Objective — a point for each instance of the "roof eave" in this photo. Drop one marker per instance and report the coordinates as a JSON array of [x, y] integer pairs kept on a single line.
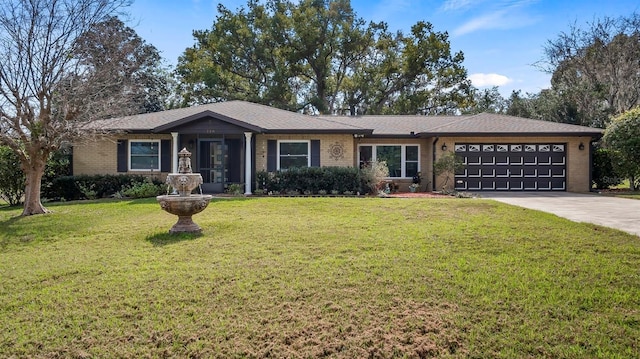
[[594, 134]]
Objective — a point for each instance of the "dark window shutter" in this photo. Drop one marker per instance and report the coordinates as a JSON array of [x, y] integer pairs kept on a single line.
[[272, 155], [165, 156], [315, 153], [123, 161]]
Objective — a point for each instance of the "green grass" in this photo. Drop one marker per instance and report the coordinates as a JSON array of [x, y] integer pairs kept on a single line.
[[632, 195], [622, 190], [314, 277]]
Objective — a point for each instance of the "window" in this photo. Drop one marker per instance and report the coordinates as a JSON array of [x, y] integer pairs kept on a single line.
[[402, 160], [293, 154], [144, 155]]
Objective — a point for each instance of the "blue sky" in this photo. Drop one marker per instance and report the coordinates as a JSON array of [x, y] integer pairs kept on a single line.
[[501, 39]]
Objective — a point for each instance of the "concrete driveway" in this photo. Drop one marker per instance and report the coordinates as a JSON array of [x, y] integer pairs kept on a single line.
[[618, 213]]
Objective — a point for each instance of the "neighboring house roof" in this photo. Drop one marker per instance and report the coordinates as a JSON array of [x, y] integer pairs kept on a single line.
[[483, 124], [265, 119]]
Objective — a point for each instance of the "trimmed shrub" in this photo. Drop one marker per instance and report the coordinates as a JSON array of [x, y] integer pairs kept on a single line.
[[143, 190], [98, 186], [313, 180]]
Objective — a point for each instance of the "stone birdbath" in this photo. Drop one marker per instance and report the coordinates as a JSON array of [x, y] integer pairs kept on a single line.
[[184, 204]]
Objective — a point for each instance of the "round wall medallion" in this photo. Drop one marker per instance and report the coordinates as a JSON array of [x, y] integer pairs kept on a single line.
[[336, 151]]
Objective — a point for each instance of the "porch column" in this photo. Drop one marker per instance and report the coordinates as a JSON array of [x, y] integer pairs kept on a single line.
[[174, 160], [247, 163]]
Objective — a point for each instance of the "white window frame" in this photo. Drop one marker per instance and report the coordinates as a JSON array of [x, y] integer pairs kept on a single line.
[[157, 142], [403, 156], [308, 142]]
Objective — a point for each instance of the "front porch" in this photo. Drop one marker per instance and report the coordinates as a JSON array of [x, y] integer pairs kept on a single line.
[[221, 159]]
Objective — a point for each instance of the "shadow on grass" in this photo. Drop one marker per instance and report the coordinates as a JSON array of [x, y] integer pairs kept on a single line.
[[165, 238]]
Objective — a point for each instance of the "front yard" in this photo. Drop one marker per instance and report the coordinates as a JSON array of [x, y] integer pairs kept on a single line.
[[314, 277]]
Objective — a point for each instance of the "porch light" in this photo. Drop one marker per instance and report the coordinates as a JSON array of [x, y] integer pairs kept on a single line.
[[581, 146], [444, 147]]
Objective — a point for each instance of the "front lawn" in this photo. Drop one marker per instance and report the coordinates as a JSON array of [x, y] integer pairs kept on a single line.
[[314, 277]]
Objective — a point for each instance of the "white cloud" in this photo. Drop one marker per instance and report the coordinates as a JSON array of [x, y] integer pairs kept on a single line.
[[453, 5], [489, 80], [502, 15], [488, 21]]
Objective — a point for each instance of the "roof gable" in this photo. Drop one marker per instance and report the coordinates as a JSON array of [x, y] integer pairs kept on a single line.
[[254, 117]]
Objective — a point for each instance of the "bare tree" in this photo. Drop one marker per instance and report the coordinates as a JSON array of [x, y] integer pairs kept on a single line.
[[596, 68], [48, 92]]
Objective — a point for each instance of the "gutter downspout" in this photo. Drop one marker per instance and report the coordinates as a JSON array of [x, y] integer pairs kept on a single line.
[[433, 165]]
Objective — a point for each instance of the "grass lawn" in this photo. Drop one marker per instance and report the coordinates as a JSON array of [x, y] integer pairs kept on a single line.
[[316, 277], [632, 195], [622, 190]]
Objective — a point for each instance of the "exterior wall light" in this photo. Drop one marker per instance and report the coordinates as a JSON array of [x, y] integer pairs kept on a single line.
[[444, 147], [581, 146]]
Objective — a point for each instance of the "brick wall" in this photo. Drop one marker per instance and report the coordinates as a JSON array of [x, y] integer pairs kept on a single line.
[[327, 142], [99, 157]]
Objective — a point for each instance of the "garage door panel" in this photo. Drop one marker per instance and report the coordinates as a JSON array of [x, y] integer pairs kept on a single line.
[[502, 184], [511, 167], [502, 159]]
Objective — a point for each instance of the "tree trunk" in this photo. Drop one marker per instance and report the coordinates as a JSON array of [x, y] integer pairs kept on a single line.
[[632, 182], [32, 202]]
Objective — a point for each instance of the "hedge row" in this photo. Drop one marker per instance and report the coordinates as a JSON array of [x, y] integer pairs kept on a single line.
[[313, 180], [96, 186]]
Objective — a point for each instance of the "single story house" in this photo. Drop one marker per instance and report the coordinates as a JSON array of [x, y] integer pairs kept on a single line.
[[231, 141]]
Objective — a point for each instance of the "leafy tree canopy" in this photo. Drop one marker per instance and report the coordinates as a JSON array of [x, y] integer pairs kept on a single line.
[[317, 56], [487, 100], [623, 137]]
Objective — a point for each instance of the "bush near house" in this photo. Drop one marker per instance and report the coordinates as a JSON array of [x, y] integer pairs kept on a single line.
[[313, 180], [604, 172], [71, 188]]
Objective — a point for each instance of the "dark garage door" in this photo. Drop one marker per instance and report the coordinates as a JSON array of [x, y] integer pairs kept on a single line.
[[511, 167]]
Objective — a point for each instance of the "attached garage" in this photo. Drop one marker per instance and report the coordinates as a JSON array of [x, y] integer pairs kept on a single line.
[[512, 167]]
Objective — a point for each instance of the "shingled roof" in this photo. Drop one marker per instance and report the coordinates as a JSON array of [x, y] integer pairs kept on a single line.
[[265, 119], [254, 117], [478, 125]]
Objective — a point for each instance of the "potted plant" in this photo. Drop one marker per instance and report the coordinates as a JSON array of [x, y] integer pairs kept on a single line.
[[417, 179]]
